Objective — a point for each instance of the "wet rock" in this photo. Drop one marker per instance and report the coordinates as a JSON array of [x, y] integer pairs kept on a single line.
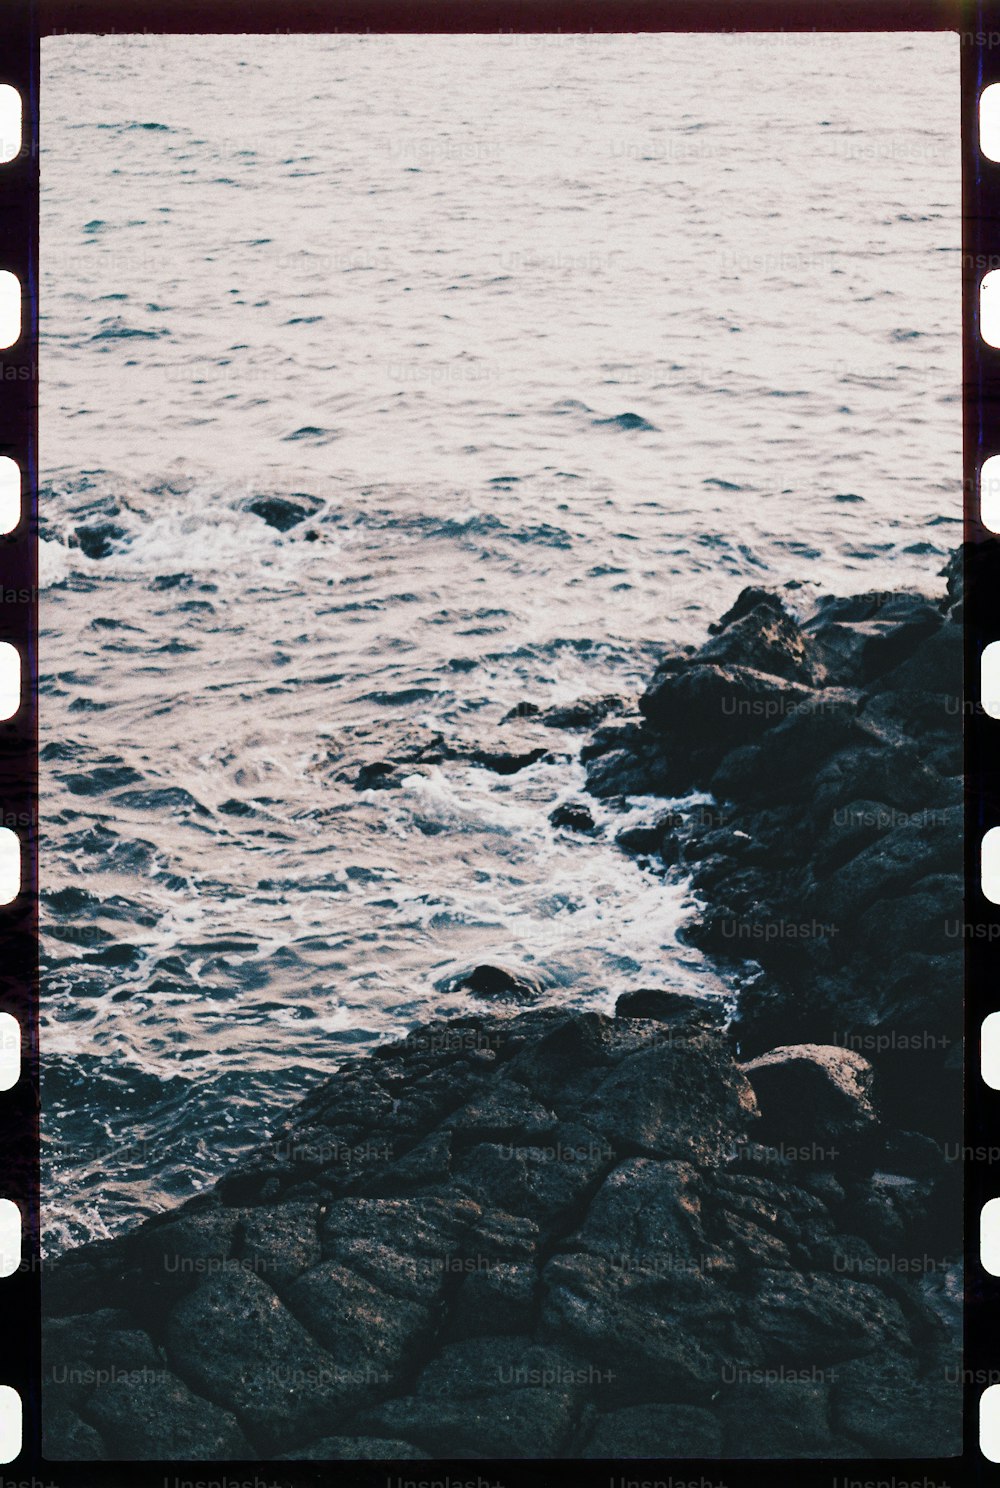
[[665, 1006], [555, 1239], [628, 734], [764, 637], [637, 1105], [97, 539], [812, 1093], [777, 1207], [495, 1297], [284, 512], [676, 1097], [852, 828], [714, 708], [152, 1267], [366, 1330], [753, 598], [798, 743], [657, 836], [574, 816], [619, 772], [504, 1111], [954, 572], [418, 1248], [895, 775], [896, 861], [934, 669], [377, 775], [889, 1210], [498, 982], [621, 1317], [867, 649], [586, 713], [101, 1346], [652, 1208], [914, 1154], [508, 762], [429, 1162], [279, 1243]]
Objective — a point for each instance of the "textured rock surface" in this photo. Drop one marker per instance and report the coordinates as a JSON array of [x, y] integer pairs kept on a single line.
[[527, 1234], [832, 857]]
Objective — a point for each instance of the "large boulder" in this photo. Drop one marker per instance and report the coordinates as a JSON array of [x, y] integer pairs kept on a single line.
[[497, 982], [812, 1093], [765, 638], [708, 709], [865, 635], [284, 512]]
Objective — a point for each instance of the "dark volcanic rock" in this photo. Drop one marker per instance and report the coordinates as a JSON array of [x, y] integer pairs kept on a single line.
[[380, 772], [812, 1093], [65, 1437], [490, 1397], [714, 707], [833, 856], [240, 1346], [575, 1265], [284, 512], [498, 982], [772, 1415], [98, 538], [574, 816], [658, 836], [586, 713], [506, 761], [667, 1007], [663, 1431], [155, 1406], [765, 638], [885, 1405]]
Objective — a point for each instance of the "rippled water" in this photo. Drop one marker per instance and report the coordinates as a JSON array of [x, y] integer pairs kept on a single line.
[[561, 341]]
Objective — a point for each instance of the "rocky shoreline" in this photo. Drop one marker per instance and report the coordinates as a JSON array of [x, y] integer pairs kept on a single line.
[[541, 1233]]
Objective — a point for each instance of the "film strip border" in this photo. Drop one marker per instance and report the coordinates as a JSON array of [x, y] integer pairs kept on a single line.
[[980, 66], [979, 27], [19, 53], [19, 1281]]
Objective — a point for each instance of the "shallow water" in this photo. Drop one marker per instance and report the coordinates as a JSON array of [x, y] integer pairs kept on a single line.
[[568, 339]]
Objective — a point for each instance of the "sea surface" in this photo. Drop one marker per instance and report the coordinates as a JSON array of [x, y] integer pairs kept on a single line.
[[562, 341]]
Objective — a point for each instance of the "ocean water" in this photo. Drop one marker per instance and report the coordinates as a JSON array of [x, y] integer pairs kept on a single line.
[[563, 341]]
